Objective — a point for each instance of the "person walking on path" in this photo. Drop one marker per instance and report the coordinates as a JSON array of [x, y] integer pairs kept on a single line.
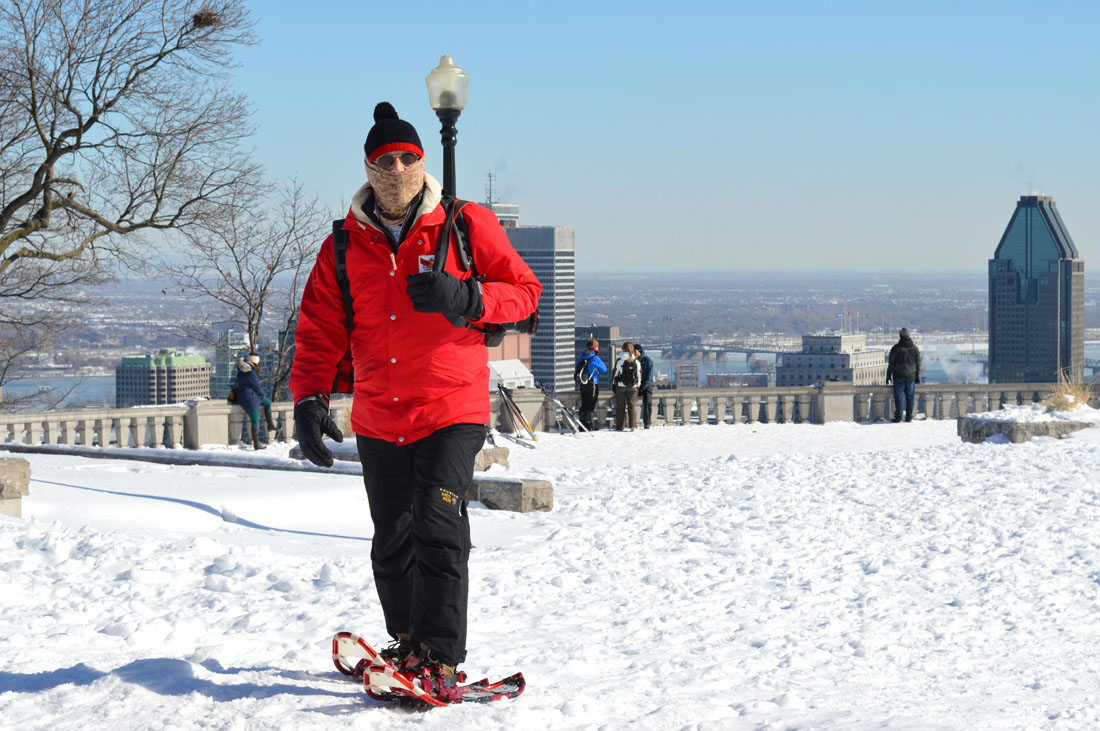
[[645, 388], [421, 389], [904, 369], [624, 382], [250, 397], [587, 372]]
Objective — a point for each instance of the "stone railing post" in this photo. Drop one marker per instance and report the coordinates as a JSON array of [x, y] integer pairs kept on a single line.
[[205, 423], [879, 401], [704, 409], [788, 408], [15, 478], [961, 403], [771, 405], [667, 407], [68, 431], [833, 403], [752, 409], [141, 430], [720, 403], [805, 409], [863, 406]]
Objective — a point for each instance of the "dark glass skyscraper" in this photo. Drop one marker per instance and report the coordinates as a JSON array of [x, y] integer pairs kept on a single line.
[[1036, 298]]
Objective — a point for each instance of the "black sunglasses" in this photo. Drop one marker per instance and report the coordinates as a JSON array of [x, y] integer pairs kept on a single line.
[[406, 158]]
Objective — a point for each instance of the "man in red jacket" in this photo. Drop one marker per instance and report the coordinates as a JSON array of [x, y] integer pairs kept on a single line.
[[421, 385]]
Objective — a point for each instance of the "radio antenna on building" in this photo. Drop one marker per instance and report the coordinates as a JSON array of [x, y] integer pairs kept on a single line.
[[489, 190]]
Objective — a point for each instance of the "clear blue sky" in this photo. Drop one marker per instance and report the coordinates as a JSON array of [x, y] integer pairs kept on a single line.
[[704, 136]]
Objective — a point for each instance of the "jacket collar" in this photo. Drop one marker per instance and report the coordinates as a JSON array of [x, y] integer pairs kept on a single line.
[[433, 194]]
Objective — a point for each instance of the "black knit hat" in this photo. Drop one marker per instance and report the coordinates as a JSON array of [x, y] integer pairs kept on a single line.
[[390, 134]]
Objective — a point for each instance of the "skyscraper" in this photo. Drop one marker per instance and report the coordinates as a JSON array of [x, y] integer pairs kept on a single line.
[[1036, 298], [231, 344], [550, 252]]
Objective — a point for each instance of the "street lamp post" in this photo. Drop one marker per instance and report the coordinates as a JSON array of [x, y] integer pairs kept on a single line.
[[447, 86]]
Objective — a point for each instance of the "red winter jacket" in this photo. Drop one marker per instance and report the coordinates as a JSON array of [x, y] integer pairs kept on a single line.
[[415, 372]]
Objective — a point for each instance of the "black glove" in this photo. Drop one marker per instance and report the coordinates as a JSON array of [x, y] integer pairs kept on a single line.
[[441, 292], [313, 421]]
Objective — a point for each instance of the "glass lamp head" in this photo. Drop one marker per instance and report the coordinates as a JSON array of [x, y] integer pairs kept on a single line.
[[447, 85]]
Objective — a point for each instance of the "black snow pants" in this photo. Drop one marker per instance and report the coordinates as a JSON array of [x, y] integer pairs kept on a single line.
[[421, 548], [590, 394]]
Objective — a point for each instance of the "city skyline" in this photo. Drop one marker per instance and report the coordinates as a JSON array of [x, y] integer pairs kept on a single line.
[[853, 135]]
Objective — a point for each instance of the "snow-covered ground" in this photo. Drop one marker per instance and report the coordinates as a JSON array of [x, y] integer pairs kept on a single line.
[[700, 577]]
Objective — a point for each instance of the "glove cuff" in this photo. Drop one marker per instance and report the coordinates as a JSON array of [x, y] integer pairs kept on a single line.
[[320, 397], [476, 308]]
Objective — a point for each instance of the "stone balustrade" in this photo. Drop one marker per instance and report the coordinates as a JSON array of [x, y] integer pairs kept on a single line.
[[178, 426], [220, 423], [828, 402]]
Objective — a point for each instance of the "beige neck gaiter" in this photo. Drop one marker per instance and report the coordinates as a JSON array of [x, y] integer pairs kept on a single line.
[[393, 192]]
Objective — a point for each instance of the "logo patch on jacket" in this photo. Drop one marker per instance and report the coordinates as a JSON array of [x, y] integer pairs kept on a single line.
[[427, 261], [448, 496]]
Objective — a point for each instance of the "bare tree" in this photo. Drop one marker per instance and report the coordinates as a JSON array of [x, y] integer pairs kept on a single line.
[[253, 261], [115, 119]]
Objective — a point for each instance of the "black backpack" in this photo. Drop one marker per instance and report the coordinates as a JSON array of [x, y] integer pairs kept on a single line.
[[582, 374], [628, 374]]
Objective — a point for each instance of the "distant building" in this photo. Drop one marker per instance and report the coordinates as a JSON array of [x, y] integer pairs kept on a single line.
[[610, 341], [512, 373], [687, 374], [832, 358], [507, 214], [166, 377], [550, 251], [231, 345], [1036, 298], [737, 380], [515, 346]]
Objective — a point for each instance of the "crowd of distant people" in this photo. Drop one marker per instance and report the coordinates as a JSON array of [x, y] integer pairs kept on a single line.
[[631, 379]]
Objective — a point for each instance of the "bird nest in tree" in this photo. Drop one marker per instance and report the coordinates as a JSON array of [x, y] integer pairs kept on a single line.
[[205, 18]]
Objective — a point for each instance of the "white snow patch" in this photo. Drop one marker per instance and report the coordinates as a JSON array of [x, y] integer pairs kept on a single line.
[[706, 577]]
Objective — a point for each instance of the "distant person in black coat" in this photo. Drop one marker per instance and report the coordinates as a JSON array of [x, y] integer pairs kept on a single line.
[[904, 370], [645, 390]]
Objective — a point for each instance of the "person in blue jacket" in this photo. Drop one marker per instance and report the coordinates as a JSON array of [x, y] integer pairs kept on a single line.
[[250, 396], [587, 374]]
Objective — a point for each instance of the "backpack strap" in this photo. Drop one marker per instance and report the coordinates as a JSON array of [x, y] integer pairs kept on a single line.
[[462, 236], [340, 256], [344, 380], [455, 221]]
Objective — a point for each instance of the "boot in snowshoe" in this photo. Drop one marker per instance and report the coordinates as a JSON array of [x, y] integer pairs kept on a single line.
[[438, 679], [398, 650]]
